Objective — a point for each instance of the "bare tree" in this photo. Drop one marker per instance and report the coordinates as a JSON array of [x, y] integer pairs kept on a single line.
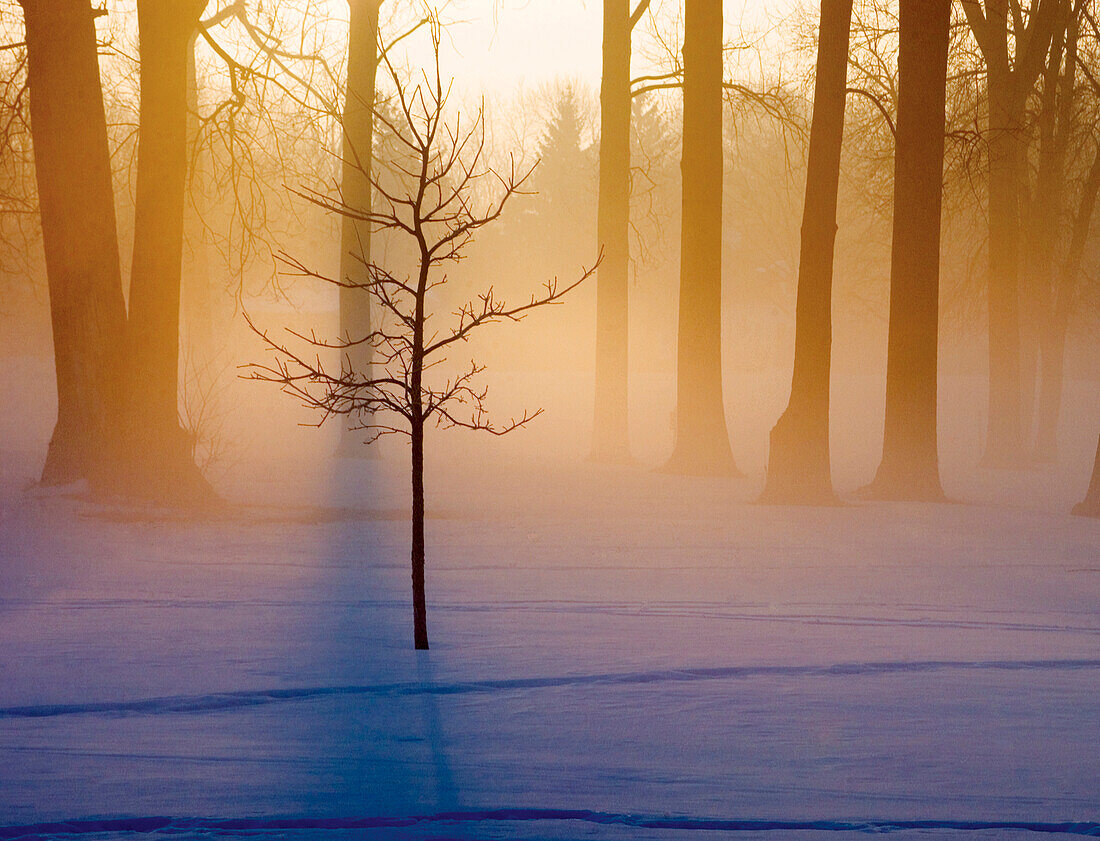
[[358, 154], [162, 464], [702, 440], [1014, 48], [798, 467], [79, 232], [428, 198], [610, 427], [910, 460]]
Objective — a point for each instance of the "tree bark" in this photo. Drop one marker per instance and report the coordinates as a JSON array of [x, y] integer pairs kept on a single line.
[[610, 423], [358, 160], [420, 609], [416, 432], [73, 171], [1004, 438], [910, 460], [702, 440], [1090, 506], [163, 468], [798, 465]]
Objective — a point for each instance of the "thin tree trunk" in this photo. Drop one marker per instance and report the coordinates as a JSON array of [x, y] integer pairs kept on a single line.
[[164, 469], [420, 609], [197, 292], [73, 170], [1004, 439], [610, 431], [702, 440], [416, 423], [798, 465], [355, 236], [1058, 106], [910, 461]]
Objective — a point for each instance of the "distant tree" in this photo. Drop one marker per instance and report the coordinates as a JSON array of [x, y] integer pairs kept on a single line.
[[563, 181], [1014, 51], [798, 465], [702, 440], [358, 155], [610, 422], [1066, 130], [428, 197], [910, 460], [79, 233]]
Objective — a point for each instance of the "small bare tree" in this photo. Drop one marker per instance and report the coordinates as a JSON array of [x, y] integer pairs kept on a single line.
[[426, 192]]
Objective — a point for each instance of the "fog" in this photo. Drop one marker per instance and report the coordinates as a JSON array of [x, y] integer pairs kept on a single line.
[[730, 409]]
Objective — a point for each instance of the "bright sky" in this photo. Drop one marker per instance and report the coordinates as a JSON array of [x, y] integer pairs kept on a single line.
[[534, 40]]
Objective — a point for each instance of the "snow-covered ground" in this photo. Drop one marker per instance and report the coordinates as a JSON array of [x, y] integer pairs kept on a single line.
[[617, 653]]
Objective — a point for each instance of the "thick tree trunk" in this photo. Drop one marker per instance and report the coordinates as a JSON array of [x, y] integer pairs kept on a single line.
[[163, 467], [910, 461], [610, 430], [1090, 506], [355, 236], [72, 163], [702, 440], [798, 465]]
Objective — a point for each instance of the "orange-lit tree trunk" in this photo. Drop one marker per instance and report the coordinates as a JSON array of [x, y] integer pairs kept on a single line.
[[163, 468], [910, 460], [798, 464], [72, 163], [610, 431], [702, 441], [358, 157]]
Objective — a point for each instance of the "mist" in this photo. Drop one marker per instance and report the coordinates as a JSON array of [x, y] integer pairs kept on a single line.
[[724, 377]]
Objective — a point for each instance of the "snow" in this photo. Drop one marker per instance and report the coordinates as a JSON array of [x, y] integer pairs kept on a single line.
[[617, 653]]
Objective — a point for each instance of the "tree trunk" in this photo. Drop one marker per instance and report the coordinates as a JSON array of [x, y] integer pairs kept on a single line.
[[1090, 506], [416, 424], [1004, 439], [702, 441], [163, 469], [197, 305], [1055, 329], [1056, 123], [798, 466], [73, 170], [610, 430], [910, 461], [420, 609], [355, 235]]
